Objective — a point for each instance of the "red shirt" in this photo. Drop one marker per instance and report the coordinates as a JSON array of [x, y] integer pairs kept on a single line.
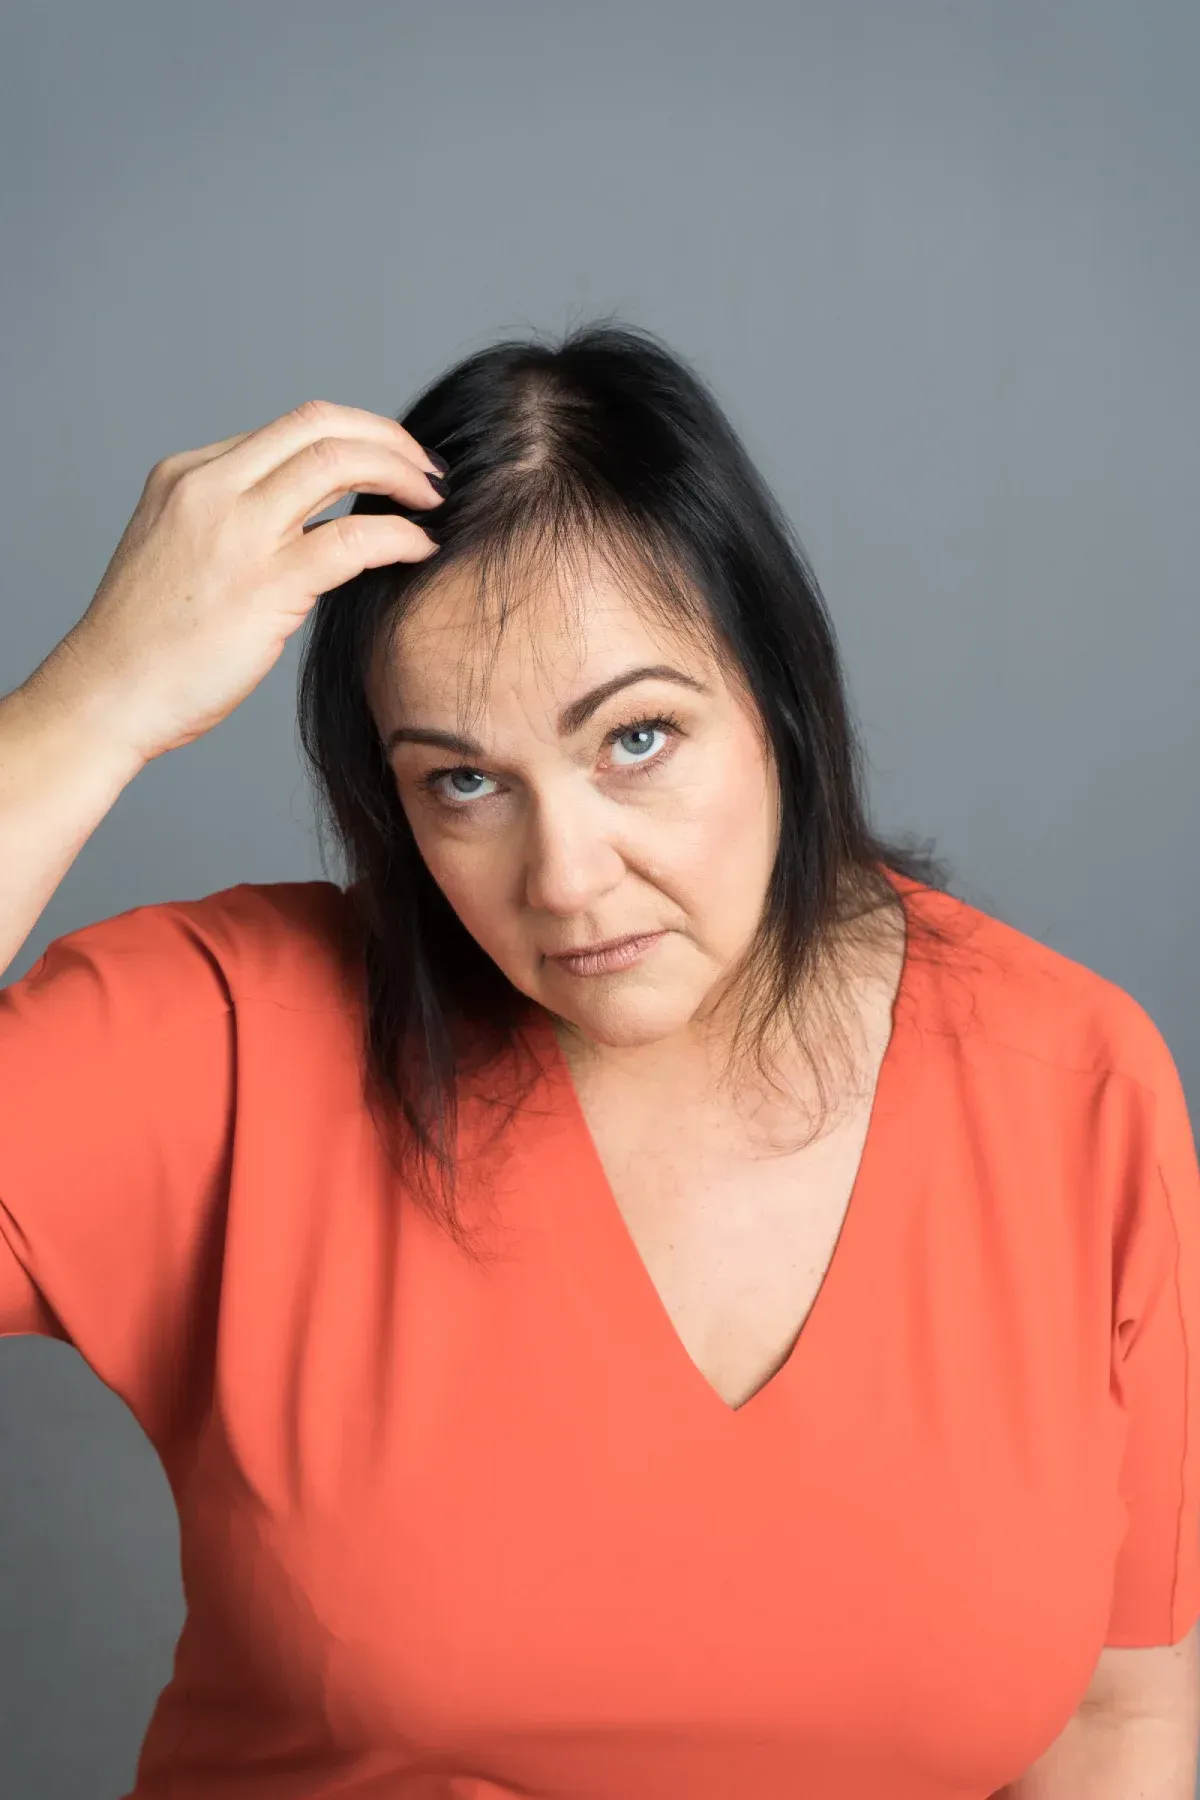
[[453, 1530]]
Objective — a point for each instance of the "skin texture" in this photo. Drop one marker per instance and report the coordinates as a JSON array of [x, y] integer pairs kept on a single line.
[[569, 834], [1134, 1737], [1163, 1678]]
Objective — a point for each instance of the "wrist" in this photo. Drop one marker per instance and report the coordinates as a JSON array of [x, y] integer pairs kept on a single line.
[[64, 702]]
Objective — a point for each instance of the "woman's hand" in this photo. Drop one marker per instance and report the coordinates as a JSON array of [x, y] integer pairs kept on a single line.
[[216, 569]]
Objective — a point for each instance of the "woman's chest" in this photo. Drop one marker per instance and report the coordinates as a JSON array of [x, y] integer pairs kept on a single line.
[[497, 1518], [735, 1204], [498, 1514], [735, 1247]]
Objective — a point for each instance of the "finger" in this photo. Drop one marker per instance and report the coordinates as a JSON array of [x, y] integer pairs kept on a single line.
[[336, 550], [183, 460], [330, 468], [253, 455]]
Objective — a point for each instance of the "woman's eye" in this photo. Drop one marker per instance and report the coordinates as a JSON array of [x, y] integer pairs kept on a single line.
[[639, 741], [457, 785]]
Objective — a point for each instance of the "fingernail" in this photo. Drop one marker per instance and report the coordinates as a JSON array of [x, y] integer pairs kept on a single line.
[[439, 462], [439, 483]]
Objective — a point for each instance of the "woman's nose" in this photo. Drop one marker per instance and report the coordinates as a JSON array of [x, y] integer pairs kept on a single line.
[[572, 860]]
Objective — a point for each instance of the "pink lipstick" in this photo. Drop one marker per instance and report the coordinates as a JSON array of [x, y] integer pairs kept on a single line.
[[620, 953]]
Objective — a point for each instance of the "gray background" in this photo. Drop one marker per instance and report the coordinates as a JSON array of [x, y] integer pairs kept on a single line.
[[938, 261]]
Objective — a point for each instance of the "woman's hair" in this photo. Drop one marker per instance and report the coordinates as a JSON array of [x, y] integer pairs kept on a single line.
[[604, 447]]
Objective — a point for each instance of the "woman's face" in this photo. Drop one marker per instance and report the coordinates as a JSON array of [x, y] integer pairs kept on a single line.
[[608, 784]]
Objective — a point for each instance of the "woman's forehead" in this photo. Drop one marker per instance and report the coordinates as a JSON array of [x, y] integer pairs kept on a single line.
[[551, 640]]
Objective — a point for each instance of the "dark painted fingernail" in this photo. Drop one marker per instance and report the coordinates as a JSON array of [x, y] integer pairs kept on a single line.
[[439, 483], [439, 462]]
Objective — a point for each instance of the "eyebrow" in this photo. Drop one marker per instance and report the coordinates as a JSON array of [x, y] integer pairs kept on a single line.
[[571, 719]]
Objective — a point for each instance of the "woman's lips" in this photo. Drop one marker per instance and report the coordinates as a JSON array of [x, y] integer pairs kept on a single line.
[[602, 961]]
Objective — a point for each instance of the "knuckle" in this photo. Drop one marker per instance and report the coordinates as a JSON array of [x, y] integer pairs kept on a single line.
[[348, 530], [163, 473], [314, 412], [327, 453], [192, 497], [188, 486]]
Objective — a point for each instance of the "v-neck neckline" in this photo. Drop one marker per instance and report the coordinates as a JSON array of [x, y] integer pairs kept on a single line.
[[602, 1227]]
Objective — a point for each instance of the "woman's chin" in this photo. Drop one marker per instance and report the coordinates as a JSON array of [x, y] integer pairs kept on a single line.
[[626, 1021]]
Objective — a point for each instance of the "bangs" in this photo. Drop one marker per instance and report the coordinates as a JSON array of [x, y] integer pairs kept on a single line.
[[523, 541]]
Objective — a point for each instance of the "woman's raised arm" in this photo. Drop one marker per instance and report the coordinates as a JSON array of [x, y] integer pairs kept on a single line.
[[213, 574]]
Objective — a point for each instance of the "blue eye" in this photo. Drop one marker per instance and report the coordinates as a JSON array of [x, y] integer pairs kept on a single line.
[[642, 742], [638, 740], [460, 780]]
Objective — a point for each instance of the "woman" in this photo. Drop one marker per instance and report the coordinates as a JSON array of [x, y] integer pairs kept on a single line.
[[640, 1292]]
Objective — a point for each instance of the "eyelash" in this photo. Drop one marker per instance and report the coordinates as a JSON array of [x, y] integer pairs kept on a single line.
[[659, 722]]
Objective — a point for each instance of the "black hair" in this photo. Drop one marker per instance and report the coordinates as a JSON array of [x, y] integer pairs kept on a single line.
[[602, 444]]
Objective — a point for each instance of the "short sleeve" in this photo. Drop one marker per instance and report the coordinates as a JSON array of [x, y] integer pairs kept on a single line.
[[116, 1113], [1156, 1363]]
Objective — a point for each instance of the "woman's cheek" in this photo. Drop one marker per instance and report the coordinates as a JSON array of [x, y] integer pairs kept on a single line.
[[451, 870], [472, 878], [734, 851], [714, 814], [438, 854]]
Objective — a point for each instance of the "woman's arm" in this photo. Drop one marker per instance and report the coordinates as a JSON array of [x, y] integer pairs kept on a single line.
[[1113, 1757], [63, 765], [1136, 1736], [214, 572]]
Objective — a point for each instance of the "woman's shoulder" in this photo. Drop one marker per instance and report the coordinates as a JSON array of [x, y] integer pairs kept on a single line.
[[1002, 985], [294, 943], [290, 943]]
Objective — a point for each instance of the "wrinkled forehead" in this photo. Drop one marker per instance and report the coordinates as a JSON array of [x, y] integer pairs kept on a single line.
[[543, 639]]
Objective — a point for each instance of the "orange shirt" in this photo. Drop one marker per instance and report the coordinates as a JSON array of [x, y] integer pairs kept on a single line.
[[453, 1530]]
